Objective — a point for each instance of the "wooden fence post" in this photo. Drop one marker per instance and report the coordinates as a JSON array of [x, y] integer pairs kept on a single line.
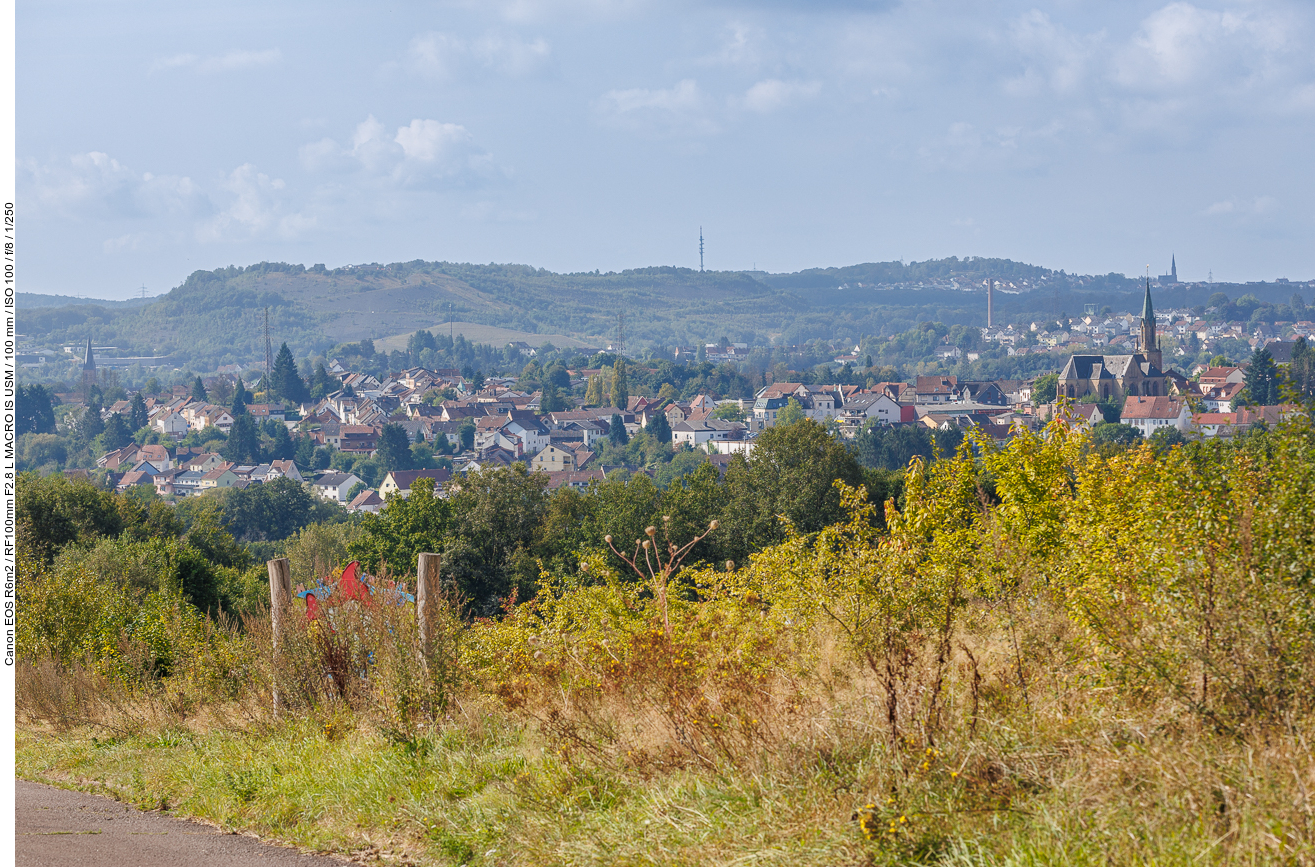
[[280, 597], [427, 590]]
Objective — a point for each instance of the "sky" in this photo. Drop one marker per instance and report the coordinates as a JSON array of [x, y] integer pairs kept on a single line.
[[156, 139]]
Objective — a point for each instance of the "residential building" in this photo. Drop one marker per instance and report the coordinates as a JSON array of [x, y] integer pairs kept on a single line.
[[554, 459], [696, 433], [1149, 414], [400, 481], [334, 486], [367, 501]]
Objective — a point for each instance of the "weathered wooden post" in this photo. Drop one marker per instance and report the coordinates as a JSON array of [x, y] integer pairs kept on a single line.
[[427, 590], [280, 597]]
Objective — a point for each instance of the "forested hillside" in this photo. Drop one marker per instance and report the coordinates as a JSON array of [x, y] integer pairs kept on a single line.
[[217, 317]]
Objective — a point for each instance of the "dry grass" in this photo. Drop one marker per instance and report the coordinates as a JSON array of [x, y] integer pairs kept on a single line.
[[1069, 773]]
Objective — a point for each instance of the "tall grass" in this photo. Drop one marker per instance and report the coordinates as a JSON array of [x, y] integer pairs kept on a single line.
[[1051, 656]]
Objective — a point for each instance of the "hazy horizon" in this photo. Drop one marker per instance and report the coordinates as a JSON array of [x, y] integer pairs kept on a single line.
[[156, 140]]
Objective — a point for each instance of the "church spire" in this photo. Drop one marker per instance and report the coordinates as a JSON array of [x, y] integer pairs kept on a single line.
[[88, 360], [1150, 345]]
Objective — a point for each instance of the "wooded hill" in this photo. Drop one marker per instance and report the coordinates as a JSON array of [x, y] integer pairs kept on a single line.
[[217, 317]]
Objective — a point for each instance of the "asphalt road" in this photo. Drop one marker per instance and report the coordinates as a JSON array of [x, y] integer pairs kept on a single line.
[[58, 828]]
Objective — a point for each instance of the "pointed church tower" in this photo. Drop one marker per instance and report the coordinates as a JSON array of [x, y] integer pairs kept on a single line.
[[1173, 267], [88, 370], [1149, 344]]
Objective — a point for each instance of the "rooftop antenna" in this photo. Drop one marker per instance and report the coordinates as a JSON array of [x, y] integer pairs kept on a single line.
[[700, 249], [269, 358]]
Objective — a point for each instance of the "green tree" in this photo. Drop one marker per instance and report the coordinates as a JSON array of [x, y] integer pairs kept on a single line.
[[394, 450], [54, 511], [198, 390], [281, 446], [887, 447], [551, 399], [1113, 434], [467, 434], [1166, 438], [322, 383], [791, 413], [1044, 389], [1262, 379], [305, 453], [616, 431], [243, 445], [91, 425], [116, 434], [404, 528], [1301, 370], [620, 384], [139, 418], [33, 410], [288, 384], [240, 399], [728, 412], [790, 474], [496, 512], [274, 510], [659, 428]]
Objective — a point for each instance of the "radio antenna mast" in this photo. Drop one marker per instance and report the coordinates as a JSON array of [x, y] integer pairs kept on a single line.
[[700, 249]]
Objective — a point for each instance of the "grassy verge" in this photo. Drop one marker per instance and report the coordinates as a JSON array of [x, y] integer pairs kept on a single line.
[[485, 790]]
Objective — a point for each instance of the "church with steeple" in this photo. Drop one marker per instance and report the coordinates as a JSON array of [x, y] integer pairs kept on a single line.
[[1119, 376], [88, 369], [1172, 276]]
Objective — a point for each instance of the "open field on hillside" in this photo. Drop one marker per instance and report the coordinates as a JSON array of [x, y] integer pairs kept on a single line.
[[491, 334]]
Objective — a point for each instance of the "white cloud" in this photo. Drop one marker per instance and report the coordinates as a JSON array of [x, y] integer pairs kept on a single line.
[[772, 93], [679, 110], [257, 209], [1055, 58], [444, 55], [232, 61], [423, 152], [1256, 207], [96, 186]]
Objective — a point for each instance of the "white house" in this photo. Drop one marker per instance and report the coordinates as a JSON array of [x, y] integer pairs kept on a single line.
[[172, 424], [1149, 414], [861, 407], [400, 481], [696, 433], [334, 486]]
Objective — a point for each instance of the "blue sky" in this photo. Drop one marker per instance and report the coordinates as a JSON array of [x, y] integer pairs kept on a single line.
[[155, 139]]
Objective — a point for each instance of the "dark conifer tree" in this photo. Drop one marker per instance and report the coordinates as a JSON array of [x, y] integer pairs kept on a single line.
[[139, 418]]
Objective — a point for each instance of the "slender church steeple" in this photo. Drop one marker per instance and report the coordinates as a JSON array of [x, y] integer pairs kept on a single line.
[[1149, 344], [88, 370]]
